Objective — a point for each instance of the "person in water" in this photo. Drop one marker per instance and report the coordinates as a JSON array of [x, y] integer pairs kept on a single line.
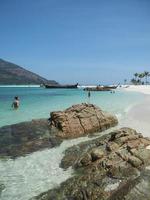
[[89, 95], [16, 103]]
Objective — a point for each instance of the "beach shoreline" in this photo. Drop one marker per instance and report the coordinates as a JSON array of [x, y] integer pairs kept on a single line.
[[138, 116], [145, 89]]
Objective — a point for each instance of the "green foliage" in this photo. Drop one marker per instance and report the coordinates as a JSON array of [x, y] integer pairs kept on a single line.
[[138, 78]]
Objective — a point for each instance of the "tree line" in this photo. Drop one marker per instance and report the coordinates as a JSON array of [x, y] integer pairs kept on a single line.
[[140, 78]]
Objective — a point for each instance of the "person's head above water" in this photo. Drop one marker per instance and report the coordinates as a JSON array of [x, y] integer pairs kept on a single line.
[[16, 98]]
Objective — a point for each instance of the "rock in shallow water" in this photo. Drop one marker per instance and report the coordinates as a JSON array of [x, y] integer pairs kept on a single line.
[[117, 173], [80, 120], [26, 137], [2, 187]]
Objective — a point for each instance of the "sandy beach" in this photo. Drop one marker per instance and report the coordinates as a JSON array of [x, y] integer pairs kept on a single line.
[[145, 89], [139, 115]]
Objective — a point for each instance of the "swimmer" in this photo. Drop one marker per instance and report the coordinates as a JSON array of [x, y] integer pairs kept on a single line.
[[16, 103]]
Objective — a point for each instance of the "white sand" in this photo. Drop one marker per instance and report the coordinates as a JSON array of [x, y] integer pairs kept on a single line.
[[145, 89], [138, 117]]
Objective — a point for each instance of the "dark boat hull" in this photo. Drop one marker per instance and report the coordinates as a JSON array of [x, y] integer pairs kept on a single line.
[[111, 87], [61, 86], [100, 88], [97, 89]]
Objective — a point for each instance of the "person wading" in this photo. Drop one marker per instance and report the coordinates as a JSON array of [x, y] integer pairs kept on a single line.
[[89, 95], [16, 103]]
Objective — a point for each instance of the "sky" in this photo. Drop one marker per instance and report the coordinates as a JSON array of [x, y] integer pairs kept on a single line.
[[84, 41]]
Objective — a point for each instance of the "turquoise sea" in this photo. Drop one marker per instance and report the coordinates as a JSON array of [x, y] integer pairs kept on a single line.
[[28, 176], [39, 102]]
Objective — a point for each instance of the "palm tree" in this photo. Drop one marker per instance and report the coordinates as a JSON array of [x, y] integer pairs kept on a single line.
[[133, 81], [146, 74], [141, 76], [136, 75]]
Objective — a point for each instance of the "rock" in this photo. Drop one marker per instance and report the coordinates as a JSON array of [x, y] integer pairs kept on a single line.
[[26, 137], [125, 135], [134, 161], [114, 173], [86, 159], [112, 146], [2, 187], [97, 153], [143, 154], [81, 119], [137, 188]]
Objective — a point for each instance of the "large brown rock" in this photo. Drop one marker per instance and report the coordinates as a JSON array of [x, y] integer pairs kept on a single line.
[[80, 120]]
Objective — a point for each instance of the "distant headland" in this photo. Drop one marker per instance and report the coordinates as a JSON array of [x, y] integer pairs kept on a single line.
[[12, 74]]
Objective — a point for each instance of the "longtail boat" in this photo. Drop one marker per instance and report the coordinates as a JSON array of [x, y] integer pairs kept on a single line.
[[61, 86], [100, 88]]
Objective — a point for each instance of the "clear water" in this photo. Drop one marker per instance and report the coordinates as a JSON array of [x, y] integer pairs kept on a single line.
[[39, 102], [29, 176], [26, 177]]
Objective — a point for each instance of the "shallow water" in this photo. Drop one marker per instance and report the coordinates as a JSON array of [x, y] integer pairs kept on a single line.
[[39, 102], [29, 176]]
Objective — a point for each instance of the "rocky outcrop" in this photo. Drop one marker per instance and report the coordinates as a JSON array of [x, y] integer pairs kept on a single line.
[[26, 137], [111, 167], [81, 119], [125, 144]]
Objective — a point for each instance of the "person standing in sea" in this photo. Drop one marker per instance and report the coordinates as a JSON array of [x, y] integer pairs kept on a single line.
[[16, 103], [89, 95]]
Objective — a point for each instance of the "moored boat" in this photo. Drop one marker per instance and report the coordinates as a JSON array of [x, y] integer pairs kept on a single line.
[[111, 87], [101, 88], [61, 86]]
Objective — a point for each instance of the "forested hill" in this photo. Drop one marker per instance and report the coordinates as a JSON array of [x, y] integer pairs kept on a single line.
[[13, 74]]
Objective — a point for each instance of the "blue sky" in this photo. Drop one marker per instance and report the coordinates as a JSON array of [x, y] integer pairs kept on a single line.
[[85, 41]]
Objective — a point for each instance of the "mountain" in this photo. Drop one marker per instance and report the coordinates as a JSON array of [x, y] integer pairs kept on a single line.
[[11, 74]]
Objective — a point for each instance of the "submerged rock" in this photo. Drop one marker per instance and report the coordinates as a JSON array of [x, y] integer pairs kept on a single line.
[[81, 119], [110, 167], [26, 137], [2, 187], [138, 188]]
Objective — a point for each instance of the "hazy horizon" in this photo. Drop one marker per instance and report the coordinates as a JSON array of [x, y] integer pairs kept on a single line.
[[90, 42]]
